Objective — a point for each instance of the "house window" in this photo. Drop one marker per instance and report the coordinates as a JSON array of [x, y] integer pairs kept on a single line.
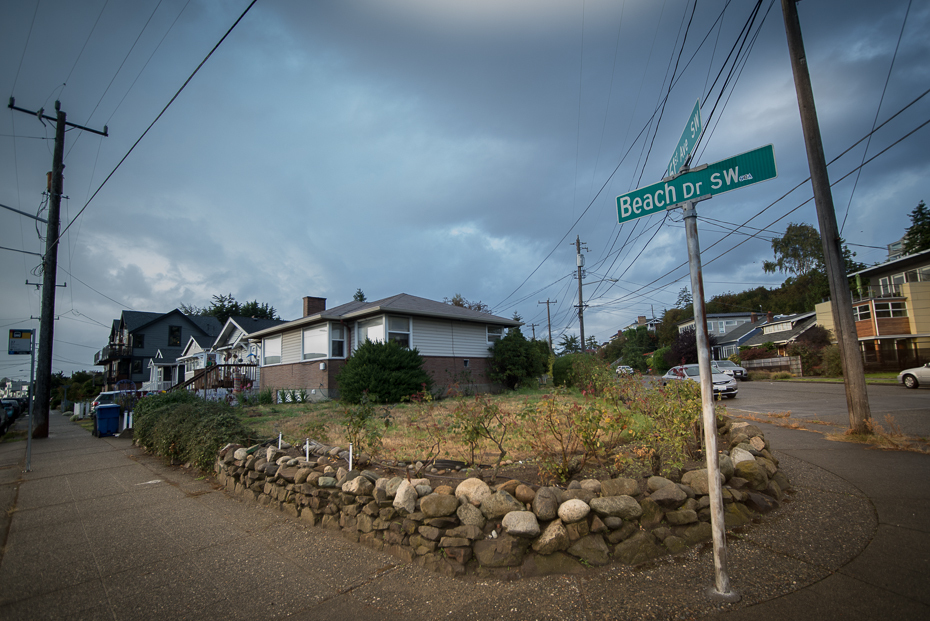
[[371, 330], [337, 339], [271, 350], [495, 333], [315, 341], [399, 330], [862, 313], [138, 341], [884, 310], [174, 336], [136, 366]]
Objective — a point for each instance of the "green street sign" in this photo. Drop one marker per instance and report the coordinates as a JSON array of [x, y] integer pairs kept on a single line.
[[687, 142], [732, 173]]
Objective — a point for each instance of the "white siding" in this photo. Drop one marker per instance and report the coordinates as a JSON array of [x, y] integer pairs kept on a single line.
[[433, 337], [290, 347]]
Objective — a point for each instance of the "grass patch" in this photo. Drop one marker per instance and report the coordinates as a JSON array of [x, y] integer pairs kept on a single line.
[[15, 435], [889, 437]]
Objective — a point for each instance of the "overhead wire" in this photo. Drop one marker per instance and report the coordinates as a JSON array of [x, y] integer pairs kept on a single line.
[[877, 111], [86, 41]]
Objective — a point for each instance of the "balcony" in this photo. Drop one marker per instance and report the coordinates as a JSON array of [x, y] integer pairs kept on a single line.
[[875, 292], [112, 352]]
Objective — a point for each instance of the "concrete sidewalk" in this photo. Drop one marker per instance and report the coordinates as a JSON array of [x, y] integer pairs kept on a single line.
[[99, 529]]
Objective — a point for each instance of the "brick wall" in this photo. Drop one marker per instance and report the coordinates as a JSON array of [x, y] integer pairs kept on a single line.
[[445, 371]]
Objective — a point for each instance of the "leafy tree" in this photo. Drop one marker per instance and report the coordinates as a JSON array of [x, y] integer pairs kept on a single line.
[[359, 296], [684, 349], [225, 306], [918, 233], [570, 344], [799, 252], [637, 343], [592, 343], [667, 332], [515, 360], [459, 300], [384, 371]]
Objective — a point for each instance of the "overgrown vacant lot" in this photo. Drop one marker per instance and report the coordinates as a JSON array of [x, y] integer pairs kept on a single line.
[[629, 426]]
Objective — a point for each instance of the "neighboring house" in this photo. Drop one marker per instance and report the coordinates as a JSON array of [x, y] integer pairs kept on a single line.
[[138, 338], [782, 330], [309, 352], [718, 324], [651, 325], [896, 249], [729, 344], [891, 308], [198, 354], [232, 346]]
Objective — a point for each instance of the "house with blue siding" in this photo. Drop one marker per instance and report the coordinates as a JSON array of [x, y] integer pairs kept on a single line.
[[309, 352]]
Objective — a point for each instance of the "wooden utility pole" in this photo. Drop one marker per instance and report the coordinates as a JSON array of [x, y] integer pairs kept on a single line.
[[549, 321], [43, 379], [579, 260], [857, 399]]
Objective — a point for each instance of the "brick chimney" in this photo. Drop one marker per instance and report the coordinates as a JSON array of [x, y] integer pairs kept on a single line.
[[312, 305], [770, 316], [641, 320], [753, 318]]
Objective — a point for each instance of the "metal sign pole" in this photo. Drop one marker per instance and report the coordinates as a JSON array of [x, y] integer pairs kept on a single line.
[[32, 400], [721, 589]]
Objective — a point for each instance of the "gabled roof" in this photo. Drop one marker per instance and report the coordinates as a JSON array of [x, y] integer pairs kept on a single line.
[[401, 303], [135, 320], [737, 333], [203, 343], [800, 323], [247, 325]]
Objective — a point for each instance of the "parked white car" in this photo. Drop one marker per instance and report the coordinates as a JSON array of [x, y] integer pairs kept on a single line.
[[723, 384], [732, 369], [913, 377]]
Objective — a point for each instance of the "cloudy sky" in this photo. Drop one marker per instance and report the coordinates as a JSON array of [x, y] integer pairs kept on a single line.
[[434, 147]]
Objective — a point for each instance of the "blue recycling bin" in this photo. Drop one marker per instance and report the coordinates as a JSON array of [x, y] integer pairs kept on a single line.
[[107, 420]]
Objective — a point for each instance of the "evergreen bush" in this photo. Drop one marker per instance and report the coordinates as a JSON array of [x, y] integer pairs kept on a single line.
[[386, 371]]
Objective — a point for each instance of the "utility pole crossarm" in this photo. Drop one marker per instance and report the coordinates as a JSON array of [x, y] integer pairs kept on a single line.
[[40, 113]]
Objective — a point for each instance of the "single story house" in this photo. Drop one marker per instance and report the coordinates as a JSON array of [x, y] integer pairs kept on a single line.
[[309, 352], [782, 330]]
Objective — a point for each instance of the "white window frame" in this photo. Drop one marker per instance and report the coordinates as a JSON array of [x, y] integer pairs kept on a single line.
[[314, 337], [393, 332], [494, 334], [275, 359], [333, 327], [888, 310], [862, 312], [366, 325]]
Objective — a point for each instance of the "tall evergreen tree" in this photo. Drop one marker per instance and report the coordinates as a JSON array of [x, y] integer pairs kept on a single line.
[[918, 233]]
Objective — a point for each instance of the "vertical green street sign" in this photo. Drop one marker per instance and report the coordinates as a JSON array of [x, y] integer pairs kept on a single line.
[[732, 173], [687, 142]]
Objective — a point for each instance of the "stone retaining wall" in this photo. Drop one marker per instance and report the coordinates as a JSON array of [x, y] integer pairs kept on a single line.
[[511, 530]]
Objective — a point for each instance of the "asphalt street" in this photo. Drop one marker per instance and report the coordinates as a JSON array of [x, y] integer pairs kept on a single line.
[[909, 409]]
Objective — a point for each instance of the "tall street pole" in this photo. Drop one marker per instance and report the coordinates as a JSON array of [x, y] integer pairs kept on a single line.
[[857, 399], [580, 262], [43, 377]]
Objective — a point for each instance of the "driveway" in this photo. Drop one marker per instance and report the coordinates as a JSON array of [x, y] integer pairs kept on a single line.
[[910, 409]]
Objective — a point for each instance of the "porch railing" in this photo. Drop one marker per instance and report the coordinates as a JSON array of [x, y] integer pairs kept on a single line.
[[233, 377]]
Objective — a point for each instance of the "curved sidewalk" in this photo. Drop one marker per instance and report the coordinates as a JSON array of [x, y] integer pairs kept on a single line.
[[99, 529]]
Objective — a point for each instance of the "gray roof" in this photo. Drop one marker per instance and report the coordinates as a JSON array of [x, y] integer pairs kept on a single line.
[[734, 335], [253, 324], [133, 320], [918, 259], [801, 323], [401, 303]]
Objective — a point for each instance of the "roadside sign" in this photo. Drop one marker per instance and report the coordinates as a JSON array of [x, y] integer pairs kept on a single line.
[[687, 142], [20, 342], [732, 173]]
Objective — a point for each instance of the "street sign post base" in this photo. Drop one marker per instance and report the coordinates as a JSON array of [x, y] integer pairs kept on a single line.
[[732, 597]]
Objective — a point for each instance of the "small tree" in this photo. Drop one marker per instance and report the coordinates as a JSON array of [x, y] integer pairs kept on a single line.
[[514, 360], [386, 371], [359, 296], [570, 344], [684, 349]]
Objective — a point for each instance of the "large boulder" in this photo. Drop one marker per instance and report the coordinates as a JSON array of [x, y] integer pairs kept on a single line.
[[521, 524], [754, 472], [590, 549], [470, 515], [620, 487], [405, 499], [546, 504], [669, 497], [505, 551], [624, 507], [499, 504], [638, 549], [573, 510], [473, 490], [438, 505], [552, 539]]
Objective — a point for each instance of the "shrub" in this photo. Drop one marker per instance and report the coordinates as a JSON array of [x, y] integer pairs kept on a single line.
[[832, 362], [562, 369], [181, 426], [782, 375], [514, 360], [364, 425], [658, 362], [385, 371]]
